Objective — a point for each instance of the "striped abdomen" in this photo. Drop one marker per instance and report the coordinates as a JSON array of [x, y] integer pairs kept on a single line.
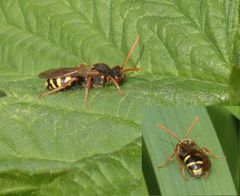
[[194, 164], [57, 82]]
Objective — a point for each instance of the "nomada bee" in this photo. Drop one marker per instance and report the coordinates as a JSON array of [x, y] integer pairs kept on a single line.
[[189, 154], [98, 75]]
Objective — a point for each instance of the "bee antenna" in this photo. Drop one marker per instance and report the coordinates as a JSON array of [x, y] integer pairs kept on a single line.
[[169, 131], [131, 69], [130, 51], [192, 126]]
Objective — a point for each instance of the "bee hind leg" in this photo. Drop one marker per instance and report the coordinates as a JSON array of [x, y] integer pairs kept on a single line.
[[180, 164]]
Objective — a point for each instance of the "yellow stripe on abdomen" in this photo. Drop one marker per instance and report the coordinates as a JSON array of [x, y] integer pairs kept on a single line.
[[52, 83], [191, 164], [197, 171], [67, 79], [199, 162], [186, 158], [59, 82], [46, 85]]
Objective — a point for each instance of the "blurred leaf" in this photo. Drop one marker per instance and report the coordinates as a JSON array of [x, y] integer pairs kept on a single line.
[[2, 94], [235, 85], [144, 187], [227, 129], [234, 110], [169, 178]]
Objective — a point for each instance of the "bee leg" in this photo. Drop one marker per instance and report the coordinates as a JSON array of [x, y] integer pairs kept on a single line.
[[210, 153], [89, 77], [58, 88], [169, 160], [180, 164], [182, 168], [88, 86], [116, 84]]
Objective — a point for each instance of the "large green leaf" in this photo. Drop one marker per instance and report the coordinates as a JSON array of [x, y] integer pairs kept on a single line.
[[186, 51], [160, 145], [41, 145], [182, 43]]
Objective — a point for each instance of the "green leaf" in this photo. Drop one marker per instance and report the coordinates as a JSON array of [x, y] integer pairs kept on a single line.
[[160, 145], [190, 64], [47, 143], [101, 175], [2, 94], [185, 51]]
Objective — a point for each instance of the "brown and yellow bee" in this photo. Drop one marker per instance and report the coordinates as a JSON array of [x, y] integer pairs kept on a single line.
[[98, 75], [189, 154]]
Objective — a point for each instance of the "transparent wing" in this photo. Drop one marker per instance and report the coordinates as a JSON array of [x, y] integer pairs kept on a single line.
[[65, 71]]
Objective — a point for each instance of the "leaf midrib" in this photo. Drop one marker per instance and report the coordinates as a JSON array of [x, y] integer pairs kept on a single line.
[[155, 78]]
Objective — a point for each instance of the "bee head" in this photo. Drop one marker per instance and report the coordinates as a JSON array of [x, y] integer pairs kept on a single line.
[[187, 143], [117, 73]]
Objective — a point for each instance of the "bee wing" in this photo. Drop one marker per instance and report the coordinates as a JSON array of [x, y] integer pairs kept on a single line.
[[65, 71], [198, 150]]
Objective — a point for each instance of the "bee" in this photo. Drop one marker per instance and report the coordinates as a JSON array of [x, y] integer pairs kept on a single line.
[[96, 76], [189, 154]]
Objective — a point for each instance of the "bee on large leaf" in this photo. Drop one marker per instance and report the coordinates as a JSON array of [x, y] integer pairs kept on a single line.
[[96, 76]]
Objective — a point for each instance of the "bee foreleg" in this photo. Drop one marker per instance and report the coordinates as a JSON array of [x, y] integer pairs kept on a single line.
[[89, 77], [116, 84], [88, 86]]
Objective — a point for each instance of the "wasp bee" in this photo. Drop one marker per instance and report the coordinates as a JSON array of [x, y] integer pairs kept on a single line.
[[189, 154], [63, 78], [96, 76]]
